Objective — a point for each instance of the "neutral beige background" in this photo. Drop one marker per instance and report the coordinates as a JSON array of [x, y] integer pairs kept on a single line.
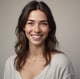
[[67, 17]]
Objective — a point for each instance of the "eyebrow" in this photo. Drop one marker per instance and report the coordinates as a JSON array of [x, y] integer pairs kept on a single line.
[[44, 21], [40, 20]]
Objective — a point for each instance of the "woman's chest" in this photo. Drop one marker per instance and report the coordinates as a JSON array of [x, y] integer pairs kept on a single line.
[[32, 69]]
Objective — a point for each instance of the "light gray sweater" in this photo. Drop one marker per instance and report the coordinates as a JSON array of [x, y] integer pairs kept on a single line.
[[60, 67]]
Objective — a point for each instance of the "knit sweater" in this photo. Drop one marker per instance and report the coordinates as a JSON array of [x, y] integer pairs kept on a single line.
[[60, 67]]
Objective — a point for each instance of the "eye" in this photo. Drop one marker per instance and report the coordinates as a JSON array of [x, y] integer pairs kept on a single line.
[[44, 23], [30, 23]]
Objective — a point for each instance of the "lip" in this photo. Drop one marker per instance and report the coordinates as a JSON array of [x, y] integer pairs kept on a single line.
[[36, 37], [36, 34]]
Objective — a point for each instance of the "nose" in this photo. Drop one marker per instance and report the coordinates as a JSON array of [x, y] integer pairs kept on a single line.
[[36, 28]]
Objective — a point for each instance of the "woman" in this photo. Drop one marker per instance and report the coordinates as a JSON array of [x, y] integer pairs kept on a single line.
[[36, 54]]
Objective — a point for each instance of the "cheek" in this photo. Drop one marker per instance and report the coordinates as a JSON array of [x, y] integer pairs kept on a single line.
[[46, 30], [27, 30]]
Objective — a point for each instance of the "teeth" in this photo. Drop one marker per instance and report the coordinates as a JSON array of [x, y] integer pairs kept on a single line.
[[36, 36]]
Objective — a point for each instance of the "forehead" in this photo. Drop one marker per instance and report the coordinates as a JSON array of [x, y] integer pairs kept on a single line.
[[37, 15]]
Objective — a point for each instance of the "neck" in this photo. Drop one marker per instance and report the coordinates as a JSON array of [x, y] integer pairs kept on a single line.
[[36, 50]]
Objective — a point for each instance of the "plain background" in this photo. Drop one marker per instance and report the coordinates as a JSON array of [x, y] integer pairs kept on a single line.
[[67, 16]]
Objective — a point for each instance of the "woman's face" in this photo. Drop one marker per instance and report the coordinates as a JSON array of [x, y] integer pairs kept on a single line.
[[36, 28]]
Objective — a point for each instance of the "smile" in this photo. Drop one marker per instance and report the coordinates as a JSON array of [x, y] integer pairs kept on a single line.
[[36, 36]]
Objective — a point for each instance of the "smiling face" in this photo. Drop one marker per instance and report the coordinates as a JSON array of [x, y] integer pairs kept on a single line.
[[36, 28]]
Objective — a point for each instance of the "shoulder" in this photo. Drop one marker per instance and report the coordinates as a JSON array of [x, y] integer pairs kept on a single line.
[[63, 66], [10, 61], [9, 66], [61, 59]]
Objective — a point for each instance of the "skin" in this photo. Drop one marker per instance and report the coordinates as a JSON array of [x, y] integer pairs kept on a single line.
[[36, 30]]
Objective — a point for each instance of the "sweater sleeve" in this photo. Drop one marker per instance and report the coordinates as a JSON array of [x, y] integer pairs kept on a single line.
[[65, 68], [67, 72], [8, 70]]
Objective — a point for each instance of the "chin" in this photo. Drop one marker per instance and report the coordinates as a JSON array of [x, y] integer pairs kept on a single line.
[[37, 43]]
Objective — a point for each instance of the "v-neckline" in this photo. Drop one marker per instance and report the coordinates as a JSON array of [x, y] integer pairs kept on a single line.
[[45, 68], [37, 75]]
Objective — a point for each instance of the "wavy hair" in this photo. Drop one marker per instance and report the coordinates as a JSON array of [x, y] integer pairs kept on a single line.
[[22, 44]]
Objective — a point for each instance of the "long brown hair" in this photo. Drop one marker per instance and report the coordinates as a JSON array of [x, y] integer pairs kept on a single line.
[[22, 44]]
